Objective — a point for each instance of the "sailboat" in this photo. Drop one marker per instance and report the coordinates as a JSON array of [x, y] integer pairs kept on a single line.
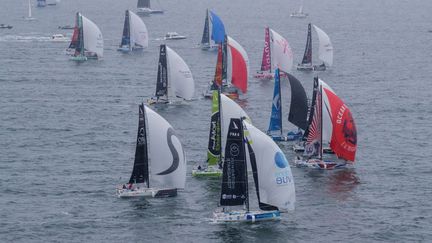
[[276, 54], [325, 52], [29, 17], [144, 8], [159, 159], [223, 109], [174, 80], [41, 3], [297, 114], [232, 70], [341, 132], [273, 181], [87, 41], [300, 13], [213, 33], [135, 34]]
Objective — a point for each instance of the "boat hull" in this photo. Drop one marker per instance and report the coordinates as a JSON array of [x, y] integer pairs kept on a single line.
[[210, 171], [244, 216], [319, 164], [146, 193], [305, 67]]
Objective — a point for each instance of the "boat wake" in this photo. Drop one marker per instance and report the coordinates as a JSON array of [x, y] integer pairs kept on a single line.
[[21, 38]]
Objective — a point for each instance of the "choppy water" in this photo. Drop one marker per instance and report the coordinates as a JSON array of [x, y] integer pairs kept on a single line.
[[67, 130]]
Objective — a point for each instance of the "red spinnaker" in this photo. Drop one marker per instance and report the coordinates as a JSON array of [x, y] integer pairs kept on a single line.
[[344, 135], [239, 70]]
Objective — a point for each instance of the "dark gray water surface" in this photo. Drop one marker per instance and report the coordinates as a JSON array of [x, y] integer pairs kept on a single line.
[[67, 130]]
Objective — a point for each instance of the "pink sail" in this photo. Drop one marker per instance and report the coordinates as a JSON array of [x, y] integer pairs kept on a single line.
[[266, 58]]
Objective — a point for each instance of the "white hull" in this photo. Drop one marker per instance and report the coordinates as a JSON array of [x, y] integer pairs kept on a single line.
[[209, 47], [146, 192], [299, 15], [319, 164], [244, 216], [305, 67]]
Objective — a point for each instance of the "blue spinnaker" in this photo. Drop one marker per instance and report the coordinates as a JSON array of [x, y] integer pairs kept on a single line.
[[218, 32]]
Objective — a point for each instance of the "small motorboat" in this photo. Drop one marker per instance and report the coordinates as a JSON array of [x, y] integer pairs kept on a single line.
[[3, 26], [59, 38], [174, 36]]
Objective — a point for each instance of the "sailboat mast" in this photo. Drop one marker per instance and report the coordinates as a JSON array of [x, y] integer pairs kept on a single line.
[[280, 100], [219, 131], [245, 165], [321, 121], [225, 61]]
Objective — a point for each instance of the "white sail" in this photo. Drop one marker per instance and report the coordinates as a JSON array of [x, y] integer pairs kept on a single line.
[[234, 44], [166, 156], [275, 181], [93, 40], [326, 115], [325, 51], [180, 76], [281, 53], [138, 31], [230, 109]]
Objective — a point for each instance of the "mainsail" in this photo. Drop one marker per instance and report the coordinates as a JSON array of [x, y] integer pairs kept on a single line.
[[275, 126], [125, 41], [214, 143], [266, 57], [162, 77], [140, 172], [313, 145], [206, 32], [234, 175], [307, 57]]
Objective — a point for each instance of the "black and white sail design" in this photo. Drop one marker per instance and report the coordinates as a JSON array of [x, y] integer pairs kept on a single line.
[[234, 177], [206, 32], [312, 108], [143, 4], [307, 57], [140, 172], [299, 105], [162, 77]]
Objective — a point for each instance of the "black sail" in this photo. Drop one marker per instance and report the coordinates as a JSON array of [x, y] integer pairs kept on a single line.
[[299, 104], [312, 108], [143, 4], [206, 33], [140, 172], [262, 206], [162, 77], [234, 177], [126, 31], [307, 57]]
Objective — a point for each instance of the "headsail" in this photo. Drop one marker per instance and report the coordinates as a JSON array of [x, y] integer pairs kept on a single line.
[[206, 32], [275, 126], [282, 56], [234, 175], [238, 65], [299, 104], [179, 76], [325, 51], [140, 172], [218, 30], [138, 31], [272, 173], [93, 40], [162, 77], [266, 57], [307, 57], [167, 158], [344, 136]]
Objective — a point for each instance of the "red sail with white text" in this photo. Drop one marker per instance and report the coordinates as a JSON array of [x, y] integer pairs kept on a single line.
[[344, 134]]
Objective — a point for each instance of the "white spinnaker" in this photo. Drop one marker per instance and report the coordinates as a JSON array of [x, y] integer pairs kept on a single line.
[[281, 53], [166, 155], [275, 180], [326, 115], [325, 51], [179, 76], [138, 31], [234, 44], [93, 39]]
